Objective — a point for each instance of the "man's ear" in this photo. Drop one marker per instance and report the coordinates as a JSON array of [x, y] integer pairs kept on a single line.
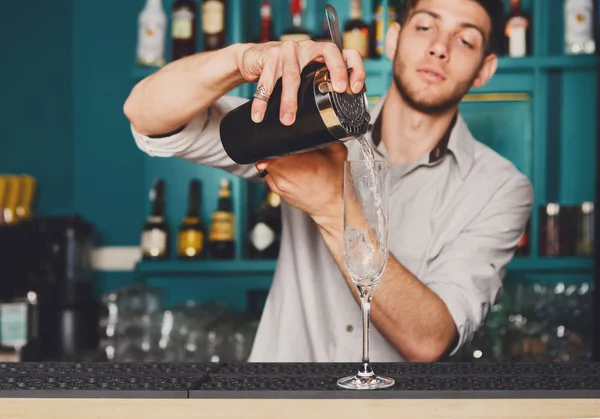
[[391, 40], [487, 70]]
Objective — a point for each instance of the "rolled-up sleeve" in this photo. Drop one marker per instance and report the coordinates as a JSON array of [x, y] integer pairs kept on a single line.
[[199, 141], [467, 275]]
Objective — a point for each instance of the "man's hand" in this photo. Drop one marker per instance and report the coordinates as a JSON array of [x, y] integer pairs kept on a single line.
[[265, 63], [181, 90], [311, 182]]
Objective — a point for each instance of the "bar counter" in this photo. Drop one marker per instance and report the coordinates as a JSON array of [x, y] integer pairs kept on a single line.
[[276, 390]]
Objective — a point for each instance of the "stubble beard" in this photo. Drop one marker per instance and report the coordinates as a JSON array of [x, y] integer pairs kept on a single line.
[[438, 106]]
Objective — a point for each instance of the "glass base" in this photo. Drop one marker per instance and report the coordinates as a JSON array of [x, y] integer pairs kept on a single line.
[[365, 382]]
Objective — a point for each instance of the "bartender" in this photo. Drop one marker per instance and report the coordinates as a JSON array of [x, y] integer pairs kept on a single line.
[[457, 208]]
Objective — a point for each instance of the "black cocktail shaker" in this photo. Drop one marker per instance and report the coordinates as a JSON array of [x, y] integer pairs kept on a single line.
[[324, 117]]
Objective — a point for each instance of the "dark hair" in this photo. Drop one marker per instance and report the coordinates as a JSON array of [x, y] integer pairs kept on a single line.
[[494, 9]]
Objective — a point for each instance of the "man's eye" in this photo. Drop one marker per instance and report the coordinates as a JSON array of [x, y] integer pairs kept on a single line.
[[422, 28], [466, 43]]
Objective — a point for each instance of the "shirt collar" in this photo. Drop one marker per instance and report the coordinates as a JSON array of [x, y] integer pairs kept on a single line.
[[458, 140]]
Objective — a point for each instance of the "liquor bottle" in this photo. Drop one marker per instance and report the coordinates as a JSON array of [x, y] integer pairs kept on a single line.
[[152, 24], [3, 195], [24, 206], [380, 30], [155, 234], [356, 31], [296, 32], [190, 240], [579, 27], [183, 29], [222, 227], [12, 200], [265, 228], [266, 23], [214, 24], [517, 31], [523, 245]]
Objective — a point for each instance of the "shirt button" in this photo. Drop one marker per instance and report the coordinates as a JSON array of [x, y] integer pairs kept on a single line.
[[349, 328]]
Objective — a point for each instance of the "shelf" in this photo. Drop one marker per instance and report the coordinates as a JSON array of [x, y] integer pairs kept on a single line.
[[267, 267], [203, 267], [558, 264]]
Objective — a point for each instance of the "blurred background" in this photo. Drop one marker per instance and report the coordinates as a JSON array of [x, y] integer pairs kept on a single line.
[[108, 254]]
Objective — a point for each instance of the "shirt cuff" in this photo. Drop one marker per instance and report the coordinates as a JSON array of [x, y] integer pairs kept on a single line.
[[455, 301], [174, 144]]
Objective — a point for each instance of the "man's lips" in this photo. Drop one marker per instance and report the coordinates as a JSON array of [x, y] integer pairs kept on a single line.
[[432, 75]]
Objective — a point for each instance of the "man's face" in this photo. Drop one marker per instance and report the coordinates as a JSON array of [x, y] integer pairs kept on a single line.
[[440, 51]]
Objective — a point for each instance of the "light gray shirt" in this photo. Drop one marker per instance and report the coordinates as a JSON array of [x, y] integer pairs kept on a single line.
[[456, 216]]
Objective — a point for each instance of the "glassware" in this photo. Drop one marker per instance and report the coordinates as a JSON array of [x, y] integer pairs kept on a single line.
[[366, 208]]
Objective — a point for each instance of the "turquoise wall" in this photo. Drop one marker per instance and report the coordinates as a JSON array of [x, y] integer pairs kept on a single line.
[[108, 175], [36, 110]]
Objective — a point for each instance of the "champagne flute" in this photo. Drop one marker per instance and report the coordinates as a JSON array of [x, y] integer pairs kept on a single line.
[[366, 208]]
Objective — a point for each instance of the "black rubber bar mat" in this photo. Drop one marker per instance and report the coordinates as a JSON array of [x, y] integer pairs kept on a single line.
[[296, 380]]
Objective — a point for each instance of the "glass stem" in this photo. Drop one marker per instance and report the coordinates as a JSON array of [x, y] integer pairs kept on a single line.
[[366, 294], [366, 312]]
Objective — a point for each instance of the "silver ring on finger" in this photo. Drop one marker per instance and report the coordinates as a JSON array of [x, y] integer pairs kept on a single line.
[[261, 93]]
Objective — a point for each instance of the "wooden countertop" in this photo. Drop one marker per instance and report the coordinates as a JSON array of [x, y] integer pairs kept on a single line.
[[298, 409]]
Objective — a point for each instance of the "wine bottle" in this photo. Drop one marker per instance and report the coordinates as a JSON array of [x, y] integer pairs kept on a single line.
[[183, 29], [579, 27], [356, 31], [190, 240], [266, 23], [214, 27], [296, 32], [12, 200], [152, 24], [265, 228], [155, 234], [517, 31], [3, 195], [24, 209], [379, 30], [222, 242]]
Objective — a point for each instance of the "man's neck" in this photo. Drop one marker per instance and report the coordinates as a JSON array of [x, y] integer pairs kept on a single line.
[[407, 133]]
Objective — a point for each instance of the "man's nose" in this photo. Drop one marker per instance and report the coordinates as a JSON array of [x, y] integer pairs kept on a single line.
[[439, 49]]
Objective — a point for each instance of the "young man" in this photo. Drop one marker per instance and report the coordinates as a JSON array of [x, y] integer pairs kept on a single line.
[[457, 208]]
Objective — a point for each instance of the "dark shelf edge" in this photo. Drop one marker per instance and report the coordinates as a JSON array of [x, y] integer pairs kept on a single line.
[[219, 267], [557, 264]]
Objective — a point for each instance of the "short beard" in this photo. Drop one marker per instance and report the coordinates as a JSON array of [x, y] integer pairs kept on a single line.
[[439, 107]]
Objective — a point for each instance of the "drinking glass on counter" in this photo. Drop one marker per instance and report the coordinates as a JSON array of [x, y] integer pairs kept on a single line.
[[366, 208]]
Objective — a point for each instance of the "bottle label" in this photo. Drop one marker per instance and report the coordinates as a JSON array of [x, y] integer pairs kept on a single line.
[[379, 33], [154, 242], [190, 242], [183, 21], [222, 226], [213, 17], [151, 41], [262, 236], [578, 25], [296, 37], [358, 40]]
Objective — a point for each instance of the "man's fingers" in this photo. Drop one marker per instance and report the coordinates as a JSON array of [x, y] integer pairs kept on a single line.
[[266, 83], [290, 70], [358, 74]]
